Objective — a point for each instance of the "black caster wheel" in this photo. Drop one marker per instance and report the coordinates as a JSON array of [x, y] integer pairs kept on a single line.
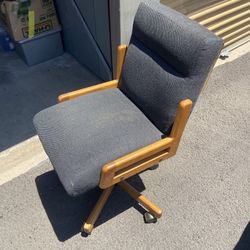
[[154, 167], [149, 218]]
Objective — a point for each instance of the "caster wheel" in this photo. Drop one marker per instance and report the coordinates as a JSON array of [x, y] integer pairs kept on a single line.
[[154, 167], [149, 218], [86, 229], [84, 234]]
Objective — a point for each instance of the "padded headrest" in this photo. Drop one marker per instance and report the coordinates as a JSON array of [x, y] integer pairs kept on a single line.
[[173, 36]]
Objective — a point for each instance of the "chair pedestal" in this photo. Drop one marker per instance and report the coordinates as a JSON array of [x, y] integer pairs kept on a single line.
[[145, 202]]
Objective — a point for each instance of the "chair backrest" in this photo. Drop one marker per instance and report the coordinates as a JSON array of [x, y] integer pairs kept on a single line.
[[168, 59]]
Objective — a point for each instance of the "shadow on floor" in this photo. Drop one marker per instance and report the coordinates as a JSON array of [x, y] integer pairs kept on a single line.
[[67, 214], [244, 241], [25, 90]]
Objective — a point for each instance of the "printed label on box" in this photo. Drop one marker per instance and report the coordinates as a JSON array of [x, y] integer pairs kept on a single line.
[[39, 28]]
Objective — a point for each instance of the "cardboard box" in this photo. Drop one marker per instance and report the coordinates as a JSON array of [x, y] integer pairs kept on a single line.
[[29, 18]]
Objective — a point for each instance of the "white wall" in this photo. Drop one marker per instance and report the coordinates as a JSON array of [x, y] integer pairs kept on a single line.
[[128, 9]]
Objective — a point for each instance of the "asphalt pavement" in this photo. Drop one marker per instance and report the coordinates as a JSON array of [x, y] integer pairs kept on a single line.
[[204, 191]]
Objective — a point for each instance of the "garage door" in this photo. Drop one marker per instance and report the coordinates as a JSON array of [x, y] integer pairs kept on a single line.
[[229, 19], [86, 33]]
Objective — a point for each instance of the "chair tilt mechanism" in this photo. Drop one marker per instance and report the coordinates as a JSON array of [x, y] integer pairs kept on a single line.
[[104, 134]]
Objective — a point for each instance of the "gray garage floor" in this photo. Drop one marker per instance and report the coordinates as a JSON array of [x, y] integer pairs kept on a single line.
[[26, 90], [204, 191]]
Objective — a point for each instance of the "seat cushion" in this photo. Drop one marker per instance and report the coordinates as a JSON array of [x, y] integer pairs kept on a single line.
[[82, 135]]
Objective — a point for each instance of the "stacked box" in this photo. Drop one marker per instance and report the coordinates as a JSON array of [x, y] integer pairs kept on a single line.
[[34, 27], [19, 24]]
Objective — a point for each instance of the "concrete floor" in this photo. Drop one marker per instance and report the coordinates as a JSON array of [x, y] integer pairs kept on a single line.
[[203, 191], [24, 91]]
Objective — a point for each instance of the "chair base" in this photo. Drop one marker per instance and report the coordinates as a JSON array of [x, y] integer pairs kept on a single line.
[[154, 167], [151, 216]]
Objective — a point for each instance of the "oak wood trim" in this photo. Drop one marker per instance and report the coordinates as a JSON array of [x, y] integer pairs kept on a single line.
[[84, 91], [146, 157], [121, 53], [180, 122], [145, 202], [88, 226], [126, 166]]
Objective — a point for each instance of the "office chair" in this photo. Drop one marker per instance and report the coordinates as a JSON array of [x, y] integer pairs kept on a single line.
[[107, 133]]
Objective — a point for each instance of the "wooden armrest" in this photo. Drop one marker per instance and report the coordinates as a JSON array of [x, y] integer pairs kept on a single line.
[[111, 171], [146, 157], [84, 91], [121, 53]]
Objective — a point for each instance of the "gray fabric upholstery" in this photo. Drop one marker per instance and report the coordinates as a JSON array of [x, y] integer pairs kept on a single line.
[[168, 60], [82, 135]]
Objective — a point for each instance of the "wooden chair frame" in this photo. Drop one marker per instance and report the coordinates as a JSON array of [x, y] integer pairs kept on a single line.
[[117, 171]]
